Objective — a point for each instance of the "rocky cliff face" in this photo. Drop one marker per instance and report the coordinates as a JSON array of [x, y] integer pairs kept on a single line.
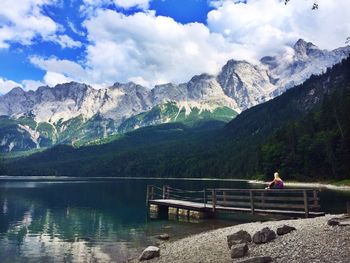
[[300, 62], [77, 113]]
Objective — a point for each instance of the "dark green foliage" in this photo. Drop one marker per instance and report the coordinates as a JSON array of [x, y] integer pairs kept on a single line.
[[2, 166], [318, 146]]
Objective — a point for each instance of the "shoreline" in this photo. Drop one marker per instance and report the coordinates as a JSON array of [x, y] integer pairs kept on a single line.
[[313, 241], [249, 181], [309, 185]]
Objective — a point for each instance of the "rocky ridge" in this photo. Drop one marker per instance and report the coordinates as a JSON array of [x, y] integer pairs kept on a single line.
[[75, 112]]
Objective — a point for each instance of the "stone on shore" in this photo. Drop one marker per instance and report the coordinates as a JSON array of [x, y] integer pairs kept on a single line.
[[149, 253], [332, 222], [163, 237], [264, 236], [239, 250], [285, 229], [339, 221], [257, 260], [238, 238]]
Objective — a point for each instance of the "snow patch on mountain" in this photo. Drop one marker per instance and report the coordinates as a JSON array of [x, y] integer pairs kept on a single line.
[[34, 135]]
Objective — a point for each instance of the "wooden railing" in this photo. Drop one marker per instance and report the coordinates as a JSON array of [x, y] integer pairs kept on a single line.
[[259, 200], [167, 192]]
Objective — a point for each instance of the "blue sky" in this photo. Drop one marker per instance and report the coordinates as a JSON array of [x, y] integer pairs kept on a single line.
[[99, 42]]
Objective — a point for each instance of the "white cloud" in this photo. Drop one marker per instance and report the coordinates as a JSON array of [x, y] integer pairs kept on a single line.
[[7, 85], [150, 49], [144, 4], [54, 78], [89, 6], [23, 21], [154, 49], [60, 71], [264, 26], [63, 67], [66, 42], [32, 84], [72, 26]]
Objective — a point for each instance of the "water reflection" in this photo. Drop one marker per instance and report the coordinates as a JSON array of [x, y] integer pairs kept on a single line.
[[80, 222]]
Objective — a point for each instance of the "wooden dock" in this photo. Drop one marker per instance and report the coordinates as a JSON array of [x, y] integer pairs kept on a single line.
[[209, 202]]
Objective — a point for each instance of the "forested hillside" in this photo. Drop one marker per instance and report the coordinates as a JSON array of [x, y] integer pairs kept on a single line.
[[316, 146], [303, 133]]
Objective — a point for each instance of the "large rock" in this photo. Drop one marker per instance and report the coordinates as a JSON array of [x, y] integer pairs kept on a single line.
[[239, 250], [257, 260], [333, 222], [149, 253], [264, 236], [285, 230], [238, 238], [163, 237]]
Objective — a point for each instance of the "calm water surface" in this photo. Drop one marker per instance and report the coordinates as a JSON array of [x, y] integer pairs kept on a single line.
[[90, 221]]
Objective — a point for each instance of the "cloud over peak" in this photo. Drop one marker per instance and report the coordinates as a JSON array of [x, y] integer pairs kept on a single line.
[[123, 40]]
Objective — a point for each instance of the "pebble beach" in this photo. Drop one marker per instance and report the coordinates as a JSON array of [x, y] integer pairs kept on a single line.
[[313, 241]]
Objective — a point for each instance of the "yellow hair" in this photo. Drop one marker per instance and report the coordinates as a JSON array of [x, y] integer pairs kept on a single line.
[[277, 176]]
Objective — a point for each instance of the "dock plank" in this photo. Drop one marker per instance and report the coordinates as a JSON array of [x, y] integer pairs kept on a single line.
[[208, 208]]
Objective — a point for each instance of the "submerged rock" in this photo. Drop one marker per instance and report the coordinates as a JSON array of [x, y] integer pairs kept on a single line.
[[238, 238], [149, 253], [285, 230], [264, 236], [239, 250]]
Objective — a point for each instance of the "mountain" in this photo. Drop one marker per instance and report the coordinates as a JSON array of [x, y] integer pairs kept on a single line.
[[304, 59], [304, 133], [76, 114]]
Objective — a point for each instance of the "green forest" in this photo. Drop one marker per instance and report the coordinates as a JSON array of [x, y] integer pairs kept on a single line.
[[303, 134]]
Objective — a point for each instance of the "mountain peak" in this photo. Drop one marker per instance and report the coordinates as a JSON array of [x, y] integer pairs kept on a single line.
[[201, 77], [302, 47], [234, 62], [16, 91]]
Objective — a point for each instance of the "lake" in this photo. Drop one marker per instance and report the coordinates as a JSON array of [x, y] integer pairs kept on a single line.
[[99, 221]]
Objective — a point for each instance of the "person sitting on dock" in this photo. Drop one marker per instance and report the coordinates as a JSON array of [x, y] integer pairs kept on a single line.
[[277, 182]]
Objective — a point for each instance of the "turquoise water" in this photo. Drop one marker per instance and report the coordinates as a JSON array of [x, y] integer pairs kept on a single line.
[[97, 221]]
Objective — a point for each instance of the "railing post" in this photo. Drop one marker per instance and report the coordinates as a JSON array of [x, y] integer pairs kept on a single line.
[[152, 192], [251, 201], [263, 200], [224, 196], [315, 198], [147, 195], [348, 207], [213, 193], [204, 197], [167, 192], [306, 204], [164, 191]]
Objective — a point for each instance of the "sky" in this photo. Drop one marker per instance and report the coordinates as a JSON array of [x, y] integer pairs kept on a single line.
[[150, 42]]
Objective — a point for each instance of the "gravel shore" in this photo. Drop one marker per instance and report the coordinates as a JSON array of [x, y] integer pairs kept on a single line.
[[313, 241]]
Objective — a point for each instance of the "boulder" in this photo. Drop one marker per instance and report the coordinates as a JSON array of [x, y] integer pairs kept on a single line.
[[239, 250], [238, 238], [257, 260], [332, 222], [285, 230], [264, 236], [149, 253], [163, 237]]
